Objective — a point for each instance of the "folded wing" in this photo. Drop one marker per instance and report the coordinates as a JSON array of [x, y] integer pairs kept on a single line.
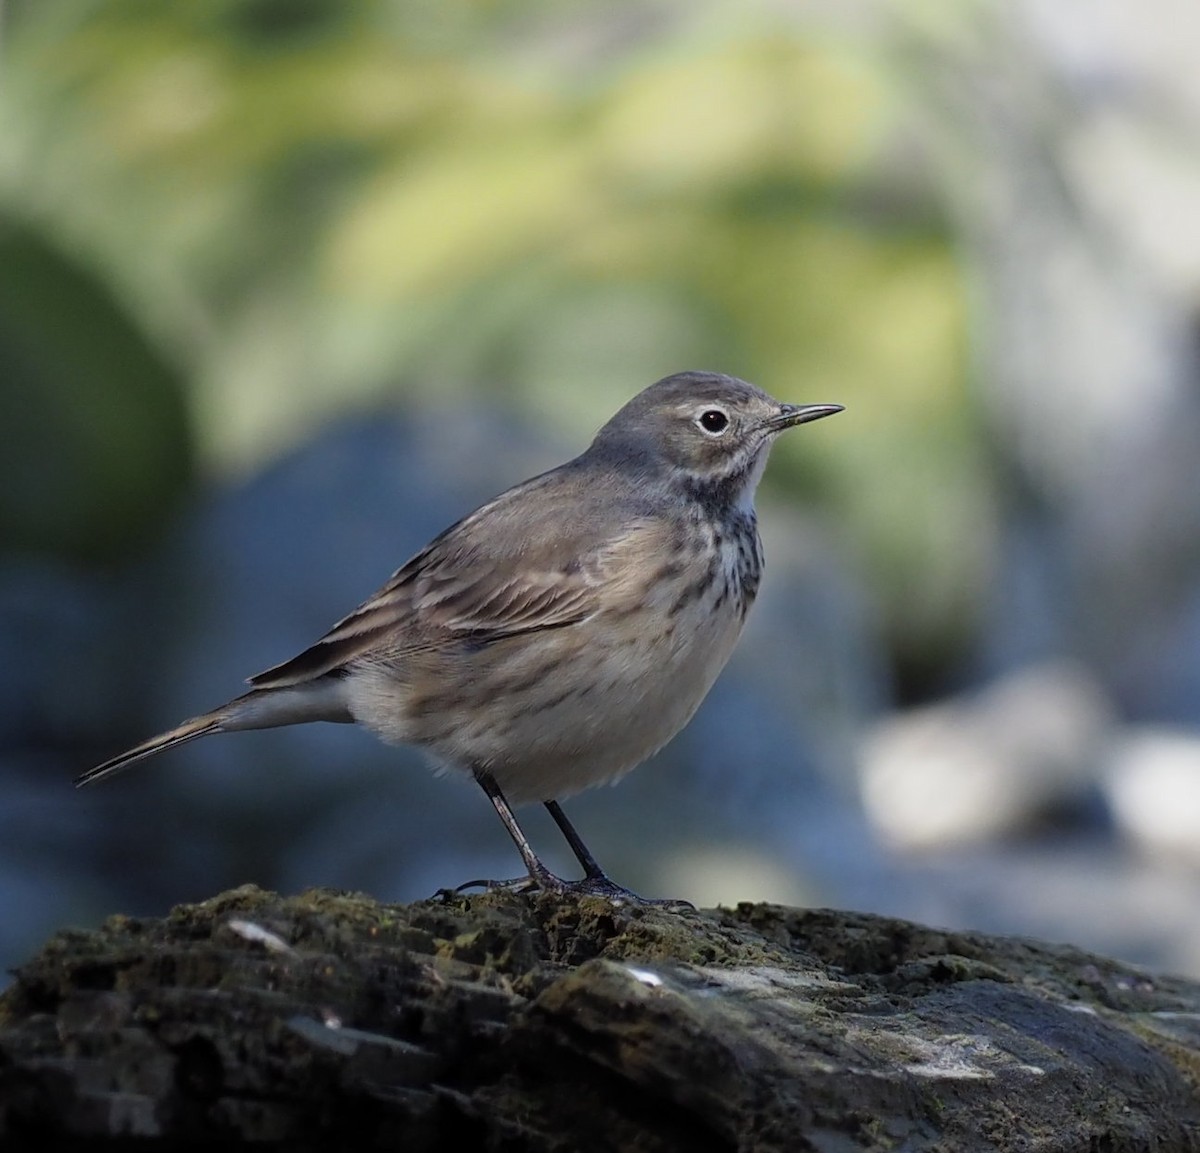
[[484, 579]]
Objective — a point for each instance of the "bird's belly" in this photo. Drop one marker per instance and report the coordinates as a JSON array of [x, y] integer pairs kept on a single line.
[[552, 714], [626, 703]]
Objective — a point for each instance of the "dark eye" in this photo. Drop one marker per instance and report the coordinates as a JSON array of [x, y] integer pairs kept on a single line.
[[713, 421]]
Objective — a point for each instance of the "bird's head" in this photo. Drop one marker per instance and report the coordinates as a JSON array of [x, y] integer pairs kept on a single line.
[[710, 433]]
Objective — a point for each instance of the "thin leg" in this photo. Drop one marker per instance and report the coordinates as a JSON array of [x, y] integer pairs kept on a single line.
[[538, 872], [595, 880], [582, 854], [594, 883]]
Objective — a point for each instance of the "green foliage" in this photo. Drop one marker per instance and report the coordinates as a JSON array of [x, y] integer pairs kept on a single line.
[[314, 205], [95, 440]]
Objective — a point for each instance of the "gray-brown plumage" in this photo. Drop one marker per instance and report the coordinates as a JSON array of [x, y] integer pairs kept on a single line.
[[564, 631]]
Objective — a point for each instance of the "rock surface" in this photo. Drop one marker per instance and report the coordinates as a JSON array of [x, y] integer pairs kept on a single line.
[[503, 1021]]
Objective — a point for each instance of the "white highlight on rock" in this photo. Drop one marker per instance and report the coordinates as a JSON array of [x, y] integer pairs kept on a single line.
[[645, 976], [981, 765], [1153, 787], [251, 931]]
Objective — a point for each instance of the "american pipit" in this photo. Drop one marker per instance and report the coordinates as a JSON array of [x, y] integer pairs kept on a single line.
[[560, 634]]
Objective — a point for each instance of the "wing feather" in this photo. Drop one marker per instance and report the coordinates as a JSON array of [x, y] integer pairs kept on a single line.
[[481, 581]]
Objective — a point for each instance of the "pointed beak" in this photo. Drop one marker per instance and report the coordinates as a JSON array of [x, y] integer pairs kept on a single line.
[[793, 414]]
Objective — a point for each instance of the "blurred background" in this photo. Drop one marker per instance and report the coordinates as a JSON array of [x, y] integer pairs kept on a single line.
[[286, 286]]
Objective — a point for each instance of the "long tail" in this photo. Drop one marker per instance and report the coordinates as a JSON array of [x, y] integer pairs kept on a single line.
[[318, 700], [180, 735]]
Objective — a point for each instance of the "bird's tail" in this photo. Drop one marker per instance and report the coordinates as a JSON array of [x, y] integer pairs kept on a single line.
[[180, 735], [322, 699]]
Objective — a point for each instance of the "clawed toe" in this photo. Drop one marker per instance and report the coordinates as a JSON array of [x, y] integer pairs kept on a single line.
[[597, 885], [600, 886], [514, 885]]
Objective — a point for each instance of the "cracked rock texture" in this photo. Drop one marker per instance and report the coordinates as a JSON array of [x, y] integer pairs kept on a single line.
[[514, 1022]]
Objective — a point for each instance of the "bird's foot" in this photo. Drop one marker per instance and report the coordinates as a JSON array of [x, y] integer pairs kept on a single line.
[[598, 885], [594, 885], [515, 885]]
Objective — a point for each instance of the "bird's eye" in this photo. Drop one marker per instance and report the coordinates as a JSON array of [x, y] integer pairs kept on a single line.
[[714, 421]]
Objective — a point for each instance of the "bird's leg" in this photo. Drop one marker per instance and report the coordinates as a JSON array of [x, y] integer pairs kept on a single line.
[[595, 881], [539, 875], [591, 869]]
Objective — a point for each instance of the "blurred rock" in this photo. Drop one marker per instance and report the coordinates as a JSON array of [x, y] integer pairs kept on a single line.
[[1066, 140], [1072, 887], [1152, 782], [986, 764]]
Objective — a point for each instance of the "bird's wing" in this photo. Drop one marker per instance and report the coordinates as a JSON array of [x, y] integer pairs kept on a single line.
[[488, 577]]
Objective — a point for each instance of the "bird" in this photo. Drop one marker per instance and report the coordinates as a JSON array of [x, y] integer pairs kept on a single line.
[[564, 631]]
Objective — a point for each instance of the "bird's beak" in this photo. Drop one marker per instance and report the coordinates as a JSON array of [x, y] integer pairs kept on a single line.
[[793, 414]]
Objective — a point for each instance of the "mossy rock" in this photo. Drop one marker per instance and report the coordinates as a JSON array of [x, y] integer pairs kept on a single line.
[[506, 1021]]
